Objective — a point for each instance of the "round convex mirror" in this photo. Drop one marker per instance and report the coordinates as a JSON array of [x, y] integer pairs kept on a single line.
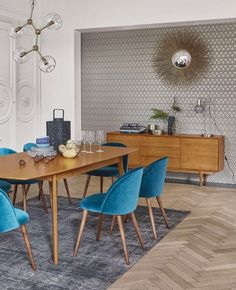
[[181, 59]]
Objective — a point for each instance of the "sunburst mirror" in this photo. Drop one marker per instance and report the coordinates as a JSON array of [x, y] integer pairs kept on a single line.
[[180, 57]]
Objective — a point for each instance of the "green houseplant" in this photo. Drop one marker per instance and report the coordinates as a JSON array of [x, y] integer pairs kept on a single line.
[[163, 116]]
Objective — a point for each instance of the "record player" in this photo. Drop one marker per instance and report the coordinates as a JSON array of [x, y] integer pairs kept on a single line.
[[134, 128]]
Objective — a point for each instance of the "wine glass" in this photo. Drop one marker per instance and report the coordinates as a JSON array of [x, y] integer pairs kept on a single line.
[[100, 137], [90, 139], [84, 140]]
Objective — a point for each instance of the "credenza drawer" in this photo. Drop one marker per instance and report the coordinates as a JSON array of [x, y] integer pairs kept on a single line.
[[158, 141], [173, 163], [159, 151]]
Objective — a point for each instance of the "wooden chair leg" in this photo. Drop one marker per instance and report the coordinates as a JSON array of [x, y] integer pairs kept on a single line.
[[122, 233], [114, 220], [67, 189], [24, 197], [15, 194], [27, 189], [86, 186], [163, 212], [27, 245], [136, 227], [151, 217], [81, 230], [99, 227], [101, 184], [112, 179], [42, 196]]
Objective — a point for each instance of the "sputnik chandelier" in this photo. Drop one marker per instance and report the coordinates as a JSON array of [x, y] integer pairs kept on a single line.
[[52, 21]]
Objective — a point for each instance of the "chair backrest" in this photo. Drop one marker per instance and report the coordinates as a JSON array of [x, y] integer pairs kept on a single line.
[[154, 178], [6, 151], [125, 158], [122, 196], [28, 146], [8, 220]]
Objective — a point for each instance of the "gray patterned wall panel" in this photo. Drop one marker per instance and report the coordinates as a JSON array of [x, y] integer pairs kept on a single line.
[[118, 83]]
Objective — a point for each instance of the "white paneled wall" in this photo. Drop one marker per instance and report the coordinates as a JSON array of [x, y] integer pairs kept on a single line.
[[19, 84]]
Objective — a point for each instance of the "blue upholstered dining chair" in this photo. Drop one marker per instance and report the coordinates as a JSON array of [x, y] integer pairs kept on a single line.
[[152, 186], [120, 199], [107, 171], [5, 186], [27, 147], [24, 183], [13, 218]]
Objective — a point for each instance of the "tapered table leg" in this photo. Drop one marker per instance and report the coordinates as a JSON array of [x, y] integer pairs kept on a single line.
[[120, 166], [54, 220]]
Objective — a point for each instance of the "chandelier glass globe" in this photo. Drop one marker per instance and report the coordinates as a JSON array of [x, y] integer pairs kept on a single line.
[[56, 19], [15, 31], [20, 56], [47, 64]]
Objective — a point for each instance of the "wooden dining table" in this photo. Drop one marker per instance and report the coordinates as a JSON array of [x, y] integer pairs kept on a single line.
[[58, 169]]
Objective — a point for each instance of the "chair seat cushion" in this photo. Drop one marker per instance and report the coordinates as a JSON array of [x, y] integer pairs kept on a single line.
[[93, 202], [21, 216], [20, 182], [5, 186], [105, 171]]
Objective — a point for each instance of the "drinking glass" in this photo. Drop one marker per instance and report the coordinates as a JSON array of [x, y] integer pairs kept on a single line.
[[90, 139], [100, 137], [84, 140]]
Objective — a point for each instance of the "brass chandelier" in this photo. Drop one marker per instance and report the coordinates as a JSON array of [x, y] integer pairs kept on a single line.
[[52, 21]]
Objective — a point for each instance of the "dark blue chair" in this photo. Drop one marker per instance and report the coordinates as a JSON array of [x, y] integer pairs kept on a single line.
[[121, 199], [27, 147], [107, 171], [152, 186], [13, 218], [25, 184], [5, 186]]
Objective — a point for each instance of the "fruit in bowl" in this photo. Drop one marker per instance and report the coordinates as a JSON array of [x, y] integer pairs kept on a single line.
[[71, 149]]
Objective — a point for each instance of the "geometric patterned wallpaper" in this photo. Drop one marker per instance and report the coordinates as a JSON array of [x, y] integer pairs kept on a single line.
[[119, 85]]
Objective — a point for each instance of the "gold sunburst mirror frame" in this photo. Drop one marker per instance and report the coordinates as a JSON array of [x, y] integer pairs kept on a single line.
[[180, 57]]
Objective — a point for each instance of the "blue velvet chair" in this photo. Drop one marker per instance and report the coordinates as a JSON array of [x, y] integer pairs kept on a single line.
[[13, 218], [152, 186], [107, 171], [25, 184], [120, 199], [5, 186], [27, 147]]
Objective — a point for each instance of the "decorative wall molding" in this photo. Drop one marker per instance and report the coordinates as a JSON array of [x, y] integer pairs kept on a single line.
[[6, 101], [25, 101]]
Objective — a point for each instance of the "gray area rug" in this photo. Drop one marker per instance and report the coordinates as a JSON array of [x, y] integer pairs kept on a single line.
[[97, 265]]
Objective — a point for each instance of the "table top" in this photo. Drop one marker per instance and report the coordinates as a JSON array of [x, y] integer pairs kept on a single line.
[[10, 168]]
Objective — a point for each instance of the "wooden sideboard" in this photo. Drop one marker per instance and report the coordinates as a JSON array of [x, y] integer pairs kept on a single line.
[[187, 153]]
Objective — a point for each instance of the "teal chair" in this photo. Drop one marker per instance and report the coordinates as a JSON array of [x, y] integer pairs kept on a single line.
[[121, 199], [107, 171], [24, 184], [27, 147], [13, 218], [5, 186], [152, 186]]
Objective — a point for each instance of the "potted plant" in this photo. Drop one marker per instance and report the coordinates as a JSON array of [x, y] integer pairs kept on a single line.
[[159, 114]]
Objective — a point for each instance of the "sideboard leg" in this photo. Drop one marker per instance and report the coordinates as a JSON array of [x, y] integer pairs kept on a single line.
[[204, 179], [201, 178]]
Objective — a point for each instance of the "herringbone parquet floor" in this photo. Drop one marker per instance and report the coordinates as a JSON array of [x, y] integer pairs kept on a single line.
[[199, 254]]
